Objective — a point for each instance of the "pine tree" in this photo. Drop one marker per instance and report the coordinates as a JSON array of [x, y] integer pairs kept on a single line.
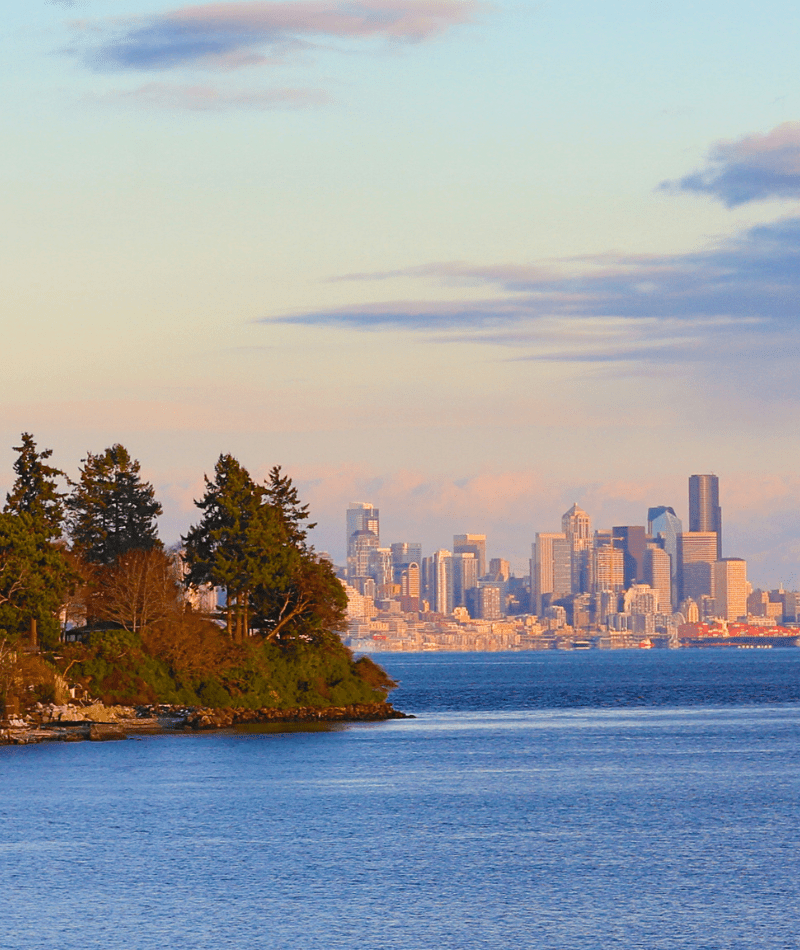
[[34, 578], [35, 490], [111, 510], [252, 542]]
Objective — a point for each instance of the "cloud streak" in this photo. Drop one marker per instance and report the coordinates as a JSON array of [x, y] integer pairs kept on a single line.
[[740, 296], [233, 35], [210, 99], [753, 168]]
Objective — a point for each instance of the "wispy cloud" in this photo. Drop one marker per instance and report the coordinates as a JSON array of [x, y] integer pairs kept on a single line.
[[256, 32], [210, 99], [753, 168], [737, 297]]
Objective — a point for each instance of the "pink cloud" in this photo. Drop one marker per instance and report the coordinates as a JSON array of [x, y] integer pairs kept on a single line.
[[231, 35]]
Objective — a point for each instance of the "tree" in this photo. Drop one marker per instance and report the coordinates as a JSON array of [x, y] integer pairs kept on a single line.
[[35, 578], [139, 589], [35, 490], [111, 510], [283, 496], [236, 542], [251, 540]]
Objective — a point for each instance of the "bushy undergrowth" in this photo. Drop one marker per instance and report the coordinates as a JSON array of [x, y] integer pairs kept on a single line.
[[192, 662]]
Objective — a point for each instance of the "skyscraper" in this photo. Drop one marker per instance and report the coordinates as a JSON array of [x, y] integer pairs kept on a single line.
[[664, 526], [631, 539], [730, 588], [441, 582], [697, 551], [361, 516], [658, 574], [551, 569], [577, 527], [474, 544], [705, 513]]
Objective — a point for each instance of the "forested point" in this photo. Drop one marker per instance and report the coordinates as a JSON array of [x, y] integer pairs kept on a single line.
[[242, 614]]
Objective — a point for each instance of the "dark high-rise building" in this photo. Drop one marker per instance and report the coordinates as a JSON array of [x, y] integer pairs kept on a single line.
[[705, 513], [631, 538]]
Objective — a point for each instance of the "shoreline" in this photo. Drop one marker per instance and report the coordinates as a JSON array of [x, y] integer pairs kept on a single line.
[[99, 723]]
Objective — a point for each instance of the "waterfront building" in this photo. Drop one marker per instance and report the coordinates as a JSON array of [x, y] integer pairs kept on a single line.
[[472, 544], [705, 513], [730, 588]]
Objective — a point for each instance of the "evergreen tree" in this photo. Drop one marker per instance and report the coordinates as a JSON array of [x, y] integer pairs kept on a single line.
[[229, 547], [34, 578], [283, 496], [111, 510], [35, 490], [252, 542]]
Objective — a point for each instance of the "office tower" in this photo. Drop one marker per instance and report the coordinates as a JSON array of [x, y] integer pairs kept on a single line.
[[499, 568], [465, 576], [403, 554], [361, 546], [472, 544], [441, 582], [489, 602], [361, 516], [410, 585], [608, 568], [577, 527], [551, 570], [658, 574], [379, 566], [697, 552], [705, 513], [730, 588], [664, 526], [631, 538]]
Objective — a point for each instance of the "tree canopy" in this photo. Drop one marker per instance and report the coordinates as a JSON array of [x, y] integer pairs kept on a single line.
[[35, 490], [111, 509], [251, 540]]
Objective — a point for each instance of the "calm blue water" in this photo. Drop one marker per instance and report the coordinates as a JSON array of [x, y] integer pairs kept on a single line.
[[590, 800]]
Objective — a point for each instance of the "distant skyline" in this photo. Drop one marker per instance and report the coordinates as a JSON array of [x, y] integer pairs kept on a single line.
[[471, 262]]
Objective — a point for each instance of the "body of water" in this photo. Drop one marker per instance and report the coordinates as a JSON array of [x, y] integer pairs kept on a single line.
[[583, 800]]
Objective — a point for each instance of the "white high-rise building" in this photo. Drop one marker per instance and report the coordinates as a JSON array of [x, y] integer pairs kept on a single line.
[[441, 582]]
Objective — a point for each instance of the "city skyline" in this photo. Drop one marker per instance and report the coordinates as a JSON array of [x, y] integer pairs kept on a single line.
[[433, 253]]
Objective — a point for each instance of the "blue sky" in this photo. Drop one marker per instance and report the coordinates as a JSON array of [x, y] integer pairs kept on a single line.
[[469, 261]]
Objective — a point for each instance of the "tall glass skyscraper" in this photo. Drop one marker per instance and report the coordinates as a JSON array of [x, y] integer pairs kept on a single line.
[[705, 513], [664, 526]]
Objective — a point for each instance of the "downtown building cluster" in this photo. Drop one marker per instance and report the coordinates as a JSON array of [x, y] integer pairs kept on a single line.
[[628, 585]]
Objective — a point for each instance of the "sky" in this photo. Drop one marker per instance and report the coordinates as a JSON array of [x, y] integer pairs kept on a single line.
[[469, 261]]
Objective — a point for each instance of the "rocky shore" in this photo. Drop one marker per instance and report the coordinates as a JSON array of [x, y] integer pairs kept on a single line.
[[96, 722]]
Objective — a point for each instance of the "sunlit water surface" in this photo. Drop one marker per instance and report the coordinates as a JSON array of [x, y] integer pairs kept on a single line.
[[591, 800]]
